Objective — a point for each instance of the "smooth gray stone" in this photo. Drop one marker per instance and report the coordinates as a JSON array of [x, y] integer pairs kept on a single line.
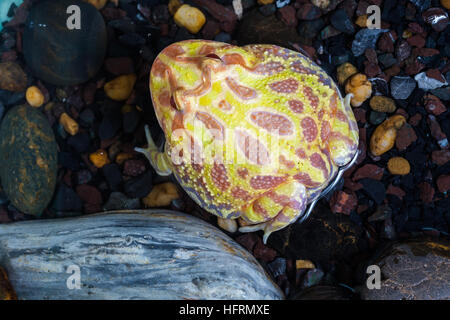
[[132, 254]]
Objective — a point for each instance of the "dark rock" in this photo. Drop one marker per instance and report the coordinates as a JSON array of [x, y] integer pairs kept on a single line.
[[66, 199], [91, 197], [308, 12], [130, 121], [375, 189], [224, 15], [119, 201], [223, 37], [402, 50], [87, 117], [133, 168], [119, 66], [412, 270], [325, 292], [340, 20], [287, 15], [69, 161], [83, 176], [277, 267], [437, 18], [132, 40], [268, 9], [364, 39], [113, 176], [110, 125], [310, 29], [57, 54], [80, 142], [140, 186], [402, 87], [123, 25], [376, 117]]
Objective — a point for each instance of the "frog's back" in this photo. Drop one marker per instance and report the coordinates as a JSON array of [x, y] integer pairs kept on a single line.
[[268, 110]]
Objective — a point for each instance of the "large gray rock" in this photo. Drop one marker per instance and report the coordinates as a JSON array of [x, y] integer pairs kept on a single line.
[[147, 254]]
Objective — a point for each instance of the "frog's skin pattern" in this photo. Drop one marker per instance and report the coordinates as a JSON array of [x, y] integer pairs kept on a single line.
[[250, 94]]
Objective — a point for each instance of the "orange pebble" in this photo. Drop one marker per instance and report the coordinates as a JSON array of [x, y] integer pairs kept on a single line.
[[70, 125], [34, 97], [99, 158]]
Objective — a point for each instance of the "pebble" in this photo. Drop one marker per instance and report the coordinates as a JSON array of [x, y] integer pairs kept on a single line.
[[436, 132], [406, 135], [340, 20], [91, 197], [398, 166], [364, 39], [443, 183], [66, 200], [99, 158], [308, 12], [277, 267], [387, 60], [437, 18], [139, 187], [312, 278], [119, 201], [343, 202], [110, 125], [12, 77], [113, 176], [426, 192], [119, 66], [440, 157], [402, 87], [133, 168], [69, 124], [80, 142], [368, 171], [427, 83], [287, 14], [376, 117], [83, 176], [375, 189], [190, 18], [310, 28], [382, 104]]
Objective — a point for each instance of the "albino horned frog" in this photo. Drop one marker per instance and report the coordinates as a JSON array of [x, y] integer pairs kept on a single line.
[[255, 132]]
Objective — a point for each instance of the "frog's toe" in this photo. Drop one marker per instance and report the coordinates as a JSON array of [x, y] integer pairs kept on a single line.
[[277, 209], [158, 160]]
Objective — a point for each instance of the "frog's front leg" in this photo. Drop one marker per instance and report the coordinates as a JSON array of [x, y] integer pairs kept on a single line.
[[277, 208], [158, 160], [343, 138]]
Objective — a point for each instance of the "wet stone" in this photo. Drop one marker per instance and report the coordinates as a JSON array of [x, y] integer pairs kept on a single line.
[[113, 176], [375, 189], [119, 201], [364, 39], [310, 29], [83, 176], [402, 87], [376, 117], [340, 20], [66, 199], [140, 186], [80, 142], [387, 60], [428, 83], [268, 9]]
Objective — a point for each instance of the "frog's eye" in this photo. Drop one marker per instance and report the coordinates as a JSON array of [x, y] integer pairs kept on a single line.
[[213, 56]]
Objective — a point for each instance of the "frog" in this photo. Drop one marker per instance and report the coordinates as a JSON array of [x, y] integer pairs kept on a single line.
[[252, 132]]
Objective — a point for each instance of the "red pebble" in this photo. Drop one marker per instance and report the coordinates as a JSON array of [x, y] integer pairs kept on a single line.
[[396, 191], [342, 202], [368, 171], [443, 183], [434, 105], [440, 157], [263, 252], [91, 197], [426, 192], [405, 136], [133, 168]]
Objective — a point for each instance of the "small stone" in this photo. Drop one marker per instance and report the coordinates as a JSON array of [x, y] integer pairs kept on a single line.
[[387, 40], [437, 18], [113, 176], [396, 191], [361, 21], [308, 12], [345, 71], [387, 60], [277, 267], [322, 4], [440, 157], [99, 158], [287, 14], [119, 201], [190, 18], [119, 66], [375, 189], [428, 83], [133, 168], [402, 50], [342, 202], [91, 197], [340, 20], [66, 200], [436, 132], [443, 183], [426, 192], [382, 104], [110, 125], [80, 142], [364, 39], [376, 117], [402, 87], [368, 171], [12, 77], [248, 240], [415, 119], [405, 136], [263, 252], [34, 97], [360, 87], [416, 41], [161, 195], [83, 176], [140, 186], [312, 278], [304, 264], [434, 105], [229, 225], [120, 88], [398, 166], [70, 125], [445, 4], [132, 40], [211, 29], [310, 28]]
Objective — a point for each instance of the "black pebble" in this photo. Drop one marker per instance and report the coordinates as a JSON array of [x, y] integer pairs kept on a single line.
[[80, 142], [140, 186], [130, 121], [375, 189], [113, 176], [66, 199], [340, 20], [110, 125]]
